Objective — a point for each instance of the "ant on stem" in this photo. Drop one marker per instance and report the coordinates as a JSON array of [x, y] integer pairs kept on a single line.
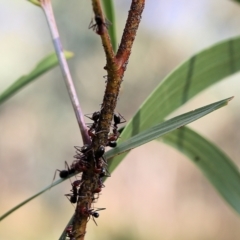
[[74, 194], [91, 212], [117, 119], [95, 117], [99, 26], [65, 173]]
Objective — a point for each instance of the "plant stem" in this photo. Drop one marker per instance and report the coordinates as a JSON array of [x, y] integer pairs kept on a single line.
[[129, 33], [115, 67], [47, 8]]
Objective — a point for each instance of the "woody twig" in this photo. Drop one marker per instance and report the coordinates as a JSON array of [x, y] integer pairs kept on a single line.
[[115, 67]]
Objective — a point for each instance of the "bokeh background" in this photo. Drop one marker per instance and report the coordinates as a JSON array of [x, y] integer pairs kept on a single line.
[[156, 192]]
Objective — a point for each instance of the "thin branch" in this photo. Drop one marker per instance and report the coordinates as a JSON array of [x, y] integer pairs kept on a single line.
[[129, 34], [113, 81], [107, 45], [47, 8], [115, 69]]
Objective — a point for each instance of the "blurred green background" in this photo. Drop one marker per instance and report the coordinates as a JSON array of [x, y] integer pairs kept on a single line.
[[156, 193]]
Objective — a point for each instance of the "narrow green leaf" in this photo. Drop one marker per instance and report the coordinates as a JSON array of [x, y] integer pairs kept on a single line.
[[110, 14], [161, 129], [31, 198], [215, 165], [186, 81], [43, 66], [140, 139]]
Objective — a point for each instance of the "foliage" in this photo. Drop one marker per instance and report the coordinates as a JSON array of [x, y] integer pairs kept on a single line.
[[190, 78]]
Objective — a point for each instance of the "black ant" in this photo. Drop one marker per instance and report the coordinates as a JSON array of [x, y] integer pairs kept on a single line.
[[78, 165], [99, 187], [65, 173], [95, 117], [73, 196], [117, 119], [99, 26], [100, 160], [84, 149], [91, 212]]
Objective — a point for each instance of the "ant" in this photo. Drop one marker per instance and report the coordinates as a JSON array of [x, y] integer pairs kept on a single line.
[[77, 166], [84, 149], [100, 152], [95, 117], [117, 119], [99, 187], [81, 152], [65, 173], [91, 213], [73, 196], [99, 26], [100, 161], [80, 165]]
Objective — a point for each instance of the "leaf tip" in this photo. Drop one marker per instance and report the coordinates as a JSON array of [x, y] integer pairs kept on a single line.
[[229, 99], [35, 2]]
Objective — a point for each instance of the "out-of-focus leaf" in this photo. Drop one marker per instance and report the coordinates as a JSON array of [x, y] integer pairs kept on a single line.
[[190, 78], [162, 128], [31, 198], [43, 66], [110, 14], [215, 165]]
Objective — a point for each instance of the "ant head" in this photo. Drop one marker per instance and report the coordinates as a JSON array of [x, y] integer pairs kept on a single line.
[[95, 214], [112, 144]]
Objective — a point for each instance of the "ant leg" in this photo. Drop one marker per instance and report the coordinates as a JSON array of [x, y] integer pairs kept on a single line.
[[94, 220], [57, 170]]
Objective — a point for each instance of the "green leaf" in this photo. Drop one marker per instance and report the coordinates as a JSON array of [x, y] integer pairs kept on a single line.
[[110, 14], [162, 128], [43, 66], [186, 81], [142, 138], [31, 198], [215, 165]]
